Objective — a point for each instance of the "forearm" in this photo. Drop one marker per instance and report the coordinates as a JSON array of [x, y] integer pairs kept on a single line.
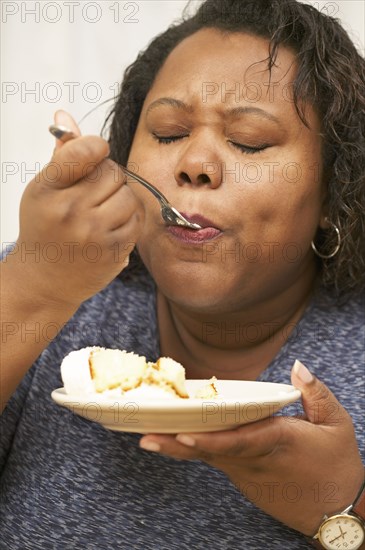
[[28, 323]]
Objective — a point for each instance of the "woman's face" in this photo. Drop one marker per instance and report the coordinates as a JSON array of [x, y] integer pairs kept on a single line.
[[230, 152]]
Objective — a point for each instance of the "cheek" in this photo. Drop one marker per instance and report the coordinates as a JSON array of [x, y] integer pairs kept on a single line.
[[282, 209], [285, 187]]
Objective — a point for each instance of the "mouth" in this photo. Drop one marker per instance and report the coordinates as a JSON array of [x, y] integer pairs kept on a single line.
[[208, 231]]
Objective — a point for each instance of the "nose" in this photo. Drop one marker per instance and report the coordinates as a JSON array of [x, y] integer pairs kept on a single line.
[[198, 166]]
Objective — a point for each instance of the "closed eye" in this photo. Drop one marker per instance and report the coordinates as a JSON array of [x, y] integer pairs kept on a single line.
[[249, 149], [244, 148], [168, 139]]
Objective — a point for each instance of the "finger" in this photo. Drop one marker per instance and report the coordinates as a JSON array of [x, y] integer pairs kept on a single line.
[[252, 440], [319, 403], [101, 181], [73, 161], [62, 118], [123, 240], [168, 445], [121, 210]]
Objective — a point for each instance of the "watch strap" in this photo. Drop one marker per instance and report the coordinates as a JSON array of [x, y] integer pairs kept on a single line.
[[358, 507]]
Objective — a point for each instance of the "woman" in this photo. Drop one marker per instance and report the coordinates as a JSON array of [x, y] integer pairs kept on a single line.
[[249, 117]]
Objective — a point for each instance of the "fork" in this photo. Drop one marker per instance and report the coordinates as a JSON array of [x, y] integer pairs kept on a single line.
[[169, 214]]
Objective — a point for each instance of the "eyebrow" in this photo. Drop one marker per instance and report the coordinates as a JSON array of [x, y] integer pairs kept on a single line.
[[237, 111], [177, 103], [234, 112]]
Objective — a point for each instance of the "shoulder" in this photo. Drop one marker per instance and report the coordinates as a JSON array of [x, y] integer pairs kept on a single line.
[[333, 343], [343, 321], [329, 339]]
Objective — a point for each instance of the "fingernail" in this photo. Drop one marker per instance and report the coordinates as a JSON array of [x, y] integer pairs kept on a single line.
[[62, 118], [150, 446], [185, 440], [302, 372]]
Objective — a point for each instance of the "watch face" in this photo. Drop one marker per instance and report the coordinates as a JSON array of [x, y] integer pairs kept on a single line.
[[342, 532]]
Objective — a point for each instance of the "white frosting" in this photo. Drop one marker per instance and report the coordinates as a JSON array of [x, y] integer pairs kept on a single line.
[[75, 372]]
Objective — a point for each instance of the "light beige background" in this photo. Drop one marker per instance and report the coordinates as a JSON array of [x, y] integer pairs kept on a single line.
[[71, 55]]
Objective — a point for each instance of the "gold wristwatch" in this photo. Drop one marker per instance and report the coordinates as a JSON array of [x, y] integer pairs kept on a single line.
[[346, 530]]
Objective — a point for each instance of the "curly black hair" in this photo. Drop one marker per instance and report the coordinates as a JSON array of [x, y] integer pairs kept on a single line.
[[330, 76]]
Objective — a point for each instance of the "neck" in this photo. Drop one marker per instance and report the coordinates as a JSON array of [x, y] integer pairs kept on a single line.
[[233, 345]]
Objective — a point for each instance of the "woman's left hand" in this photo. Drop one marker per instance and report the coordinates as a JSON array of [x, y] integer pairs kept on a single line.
[[300, 468]]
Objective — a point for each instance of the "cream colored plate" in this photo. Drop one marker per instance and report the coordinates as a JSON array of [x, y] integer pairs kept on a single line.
[[240, 403]]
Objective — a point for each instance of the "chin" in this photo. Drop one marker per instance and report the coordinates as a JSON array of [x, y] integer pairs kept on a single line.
[[195, 288]]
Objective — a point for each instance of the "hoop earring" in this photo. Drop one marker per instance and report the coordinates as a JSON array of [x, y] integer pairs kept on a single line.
[[328, 256]]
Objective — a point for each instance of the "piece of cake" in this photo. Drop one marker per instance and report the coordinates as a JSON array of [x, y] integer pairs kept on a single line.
[[168, 374], [113, 372], [101, 370], [113, 368], [209, 391]]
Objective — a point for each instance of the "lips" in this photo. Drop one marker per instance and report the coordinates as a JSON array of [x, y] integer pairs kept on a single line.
[[207, 232], [201, 220]]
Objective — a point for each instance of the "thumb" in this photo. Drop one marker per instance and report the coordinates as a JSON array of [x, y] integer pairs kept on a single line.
[[74, 159], [319, 403]]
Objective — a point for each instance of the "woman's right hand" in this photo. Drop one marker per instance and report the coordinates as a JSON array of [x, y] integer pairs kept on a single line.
[[79, 218]]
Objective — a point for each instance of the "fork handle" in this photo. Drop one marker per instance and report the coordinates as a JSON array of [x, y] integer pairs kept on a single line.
[[163, 200]]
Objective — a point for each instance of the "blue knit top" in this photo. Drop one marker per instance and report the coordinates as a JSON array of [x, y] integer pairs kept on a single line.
[[68, 483]]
